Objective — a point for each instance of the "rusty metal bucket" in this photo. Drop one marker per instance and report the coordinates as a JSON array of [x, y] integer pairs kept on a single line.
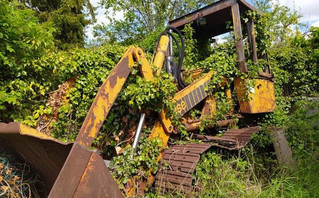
[[67, 169]]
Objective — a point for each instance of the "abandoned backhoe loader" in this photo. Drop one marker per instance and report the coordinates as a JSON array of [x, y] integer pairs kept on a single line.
[[74, 170]]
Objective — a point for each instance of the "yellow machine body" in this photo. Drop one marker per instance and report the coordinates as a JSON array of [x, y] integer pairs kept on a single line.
[[255, 95], [74, 170]]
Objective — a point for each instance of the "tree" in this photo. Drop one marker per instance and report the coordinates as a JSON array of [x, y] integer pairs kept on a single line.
[[142, 17], [22, 40], [292, 55], [69, 18]]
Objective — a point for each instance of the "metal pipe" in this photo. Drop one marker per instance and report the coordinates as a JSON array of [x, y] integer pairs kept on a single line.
[[169, 58], [139, 130], [170, 51], [193, 126]]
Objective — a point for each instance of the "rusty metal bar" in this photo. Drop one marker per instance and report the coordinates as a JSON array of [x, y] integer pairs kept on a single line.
[[215, 7], [239, 38], [220, 123], [252, 39]]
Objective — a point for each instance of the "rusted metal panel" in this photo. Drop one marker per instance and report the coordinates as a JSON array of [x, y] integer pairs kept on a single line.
[[44, 153], [71, 173], [181, 157], [97, 181], [169, 187], [183, 166], [175, 178], [232, 139], [192, 95], [84, 174], [179, 174], [184, 100], [104, 99], [187, 150]]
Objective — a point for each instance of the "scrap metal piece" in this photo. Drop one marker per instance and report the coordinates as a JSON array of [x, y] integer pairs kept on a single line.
[[232, 139]]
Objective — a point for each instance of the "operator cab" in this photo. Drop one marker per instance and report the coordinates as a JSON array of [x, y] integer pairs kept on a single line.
[[225, 16]]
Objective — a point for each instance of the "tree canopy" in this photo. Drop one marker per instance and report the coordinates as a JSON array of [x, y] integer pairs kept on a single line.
[[69, 18], [141, 17]]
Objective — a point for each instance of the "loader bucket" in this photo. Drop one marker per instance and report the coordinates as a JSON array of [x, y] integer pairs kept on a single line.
[[67, 169]]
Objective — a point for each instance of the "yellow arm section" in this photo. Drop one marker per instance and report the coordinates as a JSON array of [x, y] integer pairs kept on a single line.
[[105, 98], [112, 86], [145, 68], [161, 53]]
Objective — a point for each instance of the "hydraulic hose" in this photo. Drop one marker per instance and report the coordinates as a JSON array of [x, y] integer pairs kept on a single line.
[[181, 53]]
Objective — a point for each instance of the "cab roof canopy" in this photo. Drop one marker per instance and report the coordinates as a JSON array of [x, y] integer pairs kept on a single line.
[[213, 19]]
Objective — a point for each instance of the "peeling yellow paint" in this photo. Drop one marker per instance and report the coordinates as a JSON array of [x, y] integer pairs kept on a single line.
[[25, 130], [261, 97]]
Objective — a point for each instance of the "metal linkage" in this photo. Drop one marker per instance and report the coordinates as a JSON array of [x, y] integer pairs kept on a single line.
[[138, 131]]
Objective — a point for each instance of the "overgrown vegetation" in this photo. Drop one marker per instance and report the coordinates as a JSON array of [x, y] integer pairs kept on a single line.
[[32, 67]]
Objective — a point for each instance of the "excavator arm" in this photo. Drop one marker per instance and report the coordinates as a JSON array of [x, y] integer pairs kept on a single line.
[[99, 110], [73, 169]]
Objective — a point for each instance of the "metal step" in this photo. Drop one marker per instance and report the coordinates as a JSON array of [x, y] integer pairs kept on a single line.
[[232, 139]]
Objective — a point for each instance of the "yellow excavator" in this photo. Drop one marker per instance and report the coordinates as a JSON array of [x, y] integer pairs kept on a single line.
[[75, 170]]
